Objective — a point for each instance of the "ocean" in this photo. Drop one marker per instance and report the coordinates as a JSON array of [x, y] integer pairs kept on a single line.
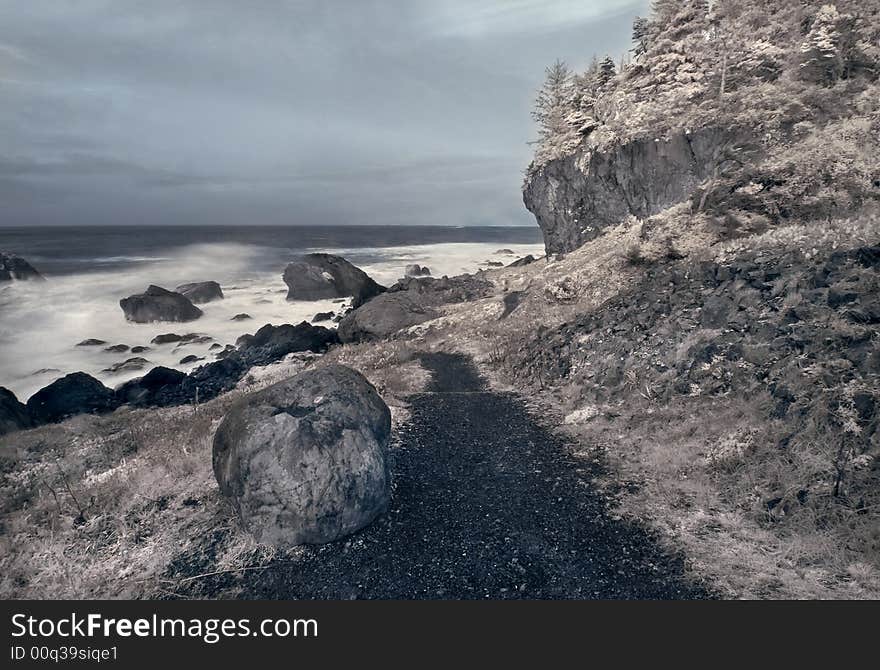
[[90, 269]]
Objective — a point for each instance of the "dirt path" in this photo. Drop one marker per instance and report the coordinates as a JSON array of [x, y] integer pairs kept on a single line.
[[486, 504]]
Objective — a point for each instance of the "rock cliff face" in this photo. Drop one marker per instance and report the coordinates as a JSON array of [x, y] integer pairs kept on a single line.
[[576, 197]]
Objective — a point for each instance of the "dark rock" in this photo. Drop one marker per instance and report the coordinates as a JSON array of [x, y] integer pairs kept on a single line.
[[305, 461], [271, 343], [322, 316], [495, 264], [146, 390], [505, 252], [383, 316], [140, 350], [416, 270], [167, 338], [324, 276], [576, 197], [215, 346], [201, 292], [77, 393], [117, 349], [837, 298], [44, 371], [195, 339], [13, 414], [129, 365], [522, 262], [91, 343], [16, 268], [186, 360], [159, 304], [241, 317]]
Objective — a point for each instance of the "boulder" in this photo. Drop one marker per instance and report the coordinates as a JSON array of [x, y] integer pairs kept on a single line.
[[91, 343], [201, 292], [192, 358], [140, 349], [522, 262], [14, 267], [432, 291], [166, 338], [416, 270], [146, 391], [117, 349], [77, 393], [305, 461], [324, 276], [13, 414], [322, 316], [159, 304], [383, 316], [271, 343], [241, 317], [129, 365]]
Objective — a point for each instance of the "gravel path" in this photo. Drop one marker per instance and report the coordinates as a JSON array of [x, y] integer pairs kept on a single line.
[[486, 504]]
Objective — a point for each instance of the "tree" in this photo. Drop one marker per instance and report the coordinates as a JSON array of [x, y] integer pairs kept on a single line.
[[640, 36], [607, 71], [553, 105]]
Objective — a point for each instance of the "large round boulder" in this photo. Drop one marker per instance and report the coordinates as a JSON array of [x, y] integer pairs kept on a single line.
[[159, 304], [305, 461], [324, 276], [77, 393], [201, 292], [14, 267], [13, 414], [382, 317]]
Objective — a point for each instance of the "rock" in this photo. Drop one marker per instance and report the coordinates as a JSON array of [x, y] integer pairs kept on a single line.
[[215, 346], [117, 349], [15, 268], [145, 391], [13, 414], [323, 276], [305, 461], [186, 360], [195, 339], [322, 316], [241, 317], [522, 262], [140, 350], [129, 365], [159, 304], [511, 301], [495, 264], [201, 292], [45, 371], [433, 292], [576, 197], [271, 343], [504, 252], [416, 270], [77, 393], [167, 338], [91, 343], [383, 316]]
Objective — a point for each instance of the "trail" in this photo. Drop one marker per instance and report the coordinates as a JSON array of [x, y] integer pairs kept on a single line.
[[486, 504]]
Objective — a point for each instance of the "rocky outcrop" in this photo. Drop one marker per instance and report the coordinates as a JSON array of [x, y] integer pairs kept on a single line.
[[305, 461], [15, 268], [383, 316], [416, 270], [13, 414], [576, 197], [431, 291], [271, 343], [159, 304], [77, 393], [522, 262], [201, 292], [324, 276], [128, 365], [148, 389]]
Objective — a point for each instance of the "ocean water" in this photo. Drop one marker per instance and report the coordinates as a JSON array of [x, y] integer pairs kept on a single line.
[[90, 269]]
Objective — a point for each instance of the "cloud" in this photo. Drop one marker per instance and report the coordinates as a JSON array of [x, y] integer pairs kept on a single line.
[[338, 110]]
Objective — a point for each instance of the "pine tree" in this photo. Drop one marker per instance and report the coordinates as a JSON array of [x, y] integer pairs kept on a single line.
[[607, 71], [640, 36], [553, 105]]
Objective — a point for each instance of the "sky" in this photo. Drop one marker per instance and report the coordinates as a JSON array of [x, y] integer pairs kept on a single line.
[[139, 112]]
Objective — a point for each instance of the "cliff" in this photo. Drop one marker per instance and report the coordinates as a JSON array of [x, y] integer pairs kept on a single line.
[[576, 197]]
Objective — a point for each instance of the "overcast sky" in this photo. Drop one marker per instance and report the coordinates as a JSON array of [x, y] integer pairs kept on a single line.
[[280, 112]]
